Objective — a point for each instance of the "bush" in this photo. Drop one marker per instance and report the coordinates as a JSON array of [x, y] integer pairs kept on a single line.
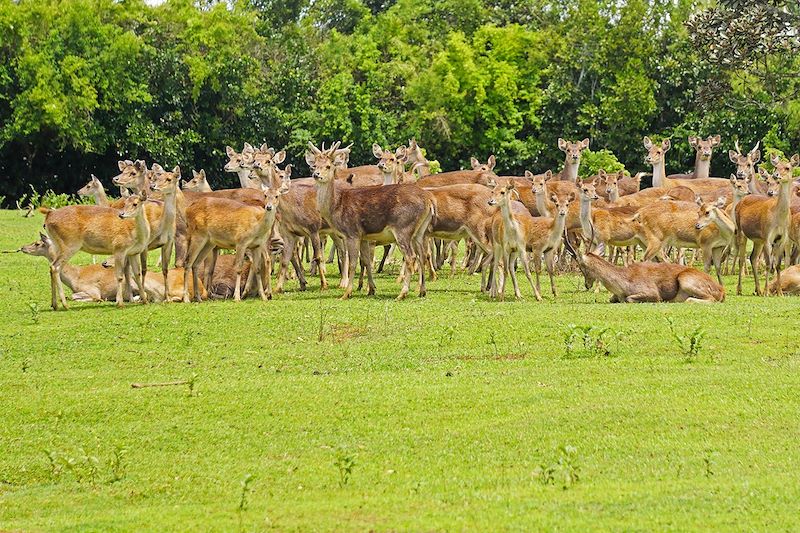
[[592, 162]]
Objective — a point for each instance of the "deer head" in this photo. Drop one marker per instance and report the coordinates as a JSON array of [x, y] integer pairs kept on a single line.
[[745, 164], [90, 189], [784, 169], [562, 204], [539, 182], [704, 148], [322, 161], [487, 167], [573, 149], [503, 194], [40, 248], [655, 152], [709, 212], [389, 162], [741, 187], [239, 161], [133, 205], [588, 191], [131, 173], [198, 182], [166, 182]]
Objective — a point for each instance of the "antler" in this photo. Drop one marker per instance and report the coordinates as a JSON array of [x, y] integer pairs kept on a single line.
[[314, 149], [755, 147], [736, 145]]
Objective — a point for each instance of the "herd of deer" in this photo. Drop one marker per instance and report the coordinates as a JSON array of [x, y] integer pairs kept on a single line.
[[507, 222]]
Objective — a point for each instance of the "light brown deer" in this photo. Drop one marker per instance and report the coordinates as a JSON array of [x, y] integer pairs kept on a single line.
[[509, 242], [543, 239], [133, 175], [198, 183], [746, 166], [766, 221], [789, 282], [572, 162], [608, 226], [656, 157], [392, 213], [241, 163], [163, 234], [96, 190], [228, 224], [648, 282], [704, 149], [101, 231], [480, 174], [415, 159]]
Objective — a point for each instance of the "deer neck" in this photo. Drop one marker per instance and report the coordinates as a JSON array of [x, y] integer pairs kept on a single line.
[[541, 202], [570, 172], [609, 275], [390, 178], [509, 222], [559, 223], [701, 167], [100, 197], [784, 201], [613, 197], [726, 226], [659, 174], [141, 226], [70, 275], [143, 184], [326, 198], [586, 217], [169, 212], [244, 177]]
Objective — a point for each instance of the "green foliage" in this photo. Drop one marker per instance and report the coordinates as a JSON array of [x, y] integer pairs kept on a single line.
[[564, 471], [592, 161], [34, 200], [689, 343]]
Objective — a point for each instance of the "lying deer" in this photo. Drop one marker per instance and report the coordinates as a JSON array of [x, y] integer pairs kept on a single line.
[[392, 213], [648, 282], [98, 230], [789, 282]]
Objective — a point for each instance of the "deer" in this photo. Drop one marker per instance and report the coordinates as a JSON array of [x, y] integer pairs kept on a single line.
[[163, 235], [228, 224], [794, 231], [766, 221], [572, 162], [415, 157], [509, 242], [746, 166], [480, 173], [98, 230], [198, 183], [240, 163], [391, 213], [647, 282], [607, 226], [362, 176], [704, 149], [133, 176], [544, 186], [543, 239], [96, 190], [789, 283], [656, 157]]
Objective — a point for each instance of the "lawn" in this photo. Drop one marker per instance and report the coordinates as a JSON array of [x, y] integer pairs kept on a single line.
[[446, 413]]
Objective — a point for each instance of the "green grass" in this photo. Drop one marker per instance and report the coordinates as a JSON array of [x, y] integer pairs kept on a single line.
[[443, 413]]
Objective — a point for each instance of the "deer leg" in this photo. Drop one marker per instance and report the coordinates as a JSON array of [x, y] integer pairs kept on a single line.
[[409, 259], [289, 242], [647, 296], [138, 276], [550, 264], [194, 259], [351, 259], [778, 260], [212, 265], [238, 265], [366, 260], [166, 253], [119, 272], [754, 257], [317, 249], [526, 268], [386, 251]]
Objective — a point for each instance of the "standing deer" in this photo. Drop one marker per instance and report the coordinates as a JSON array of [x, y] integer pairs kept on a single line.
[[228, 224], [766, 221], [241, 163], [656, 154], [704, 149], [163, 234], [101, 231], [612, 226], [95, 189], [198, 183], [481, 173], [392, 213], [746, 166]]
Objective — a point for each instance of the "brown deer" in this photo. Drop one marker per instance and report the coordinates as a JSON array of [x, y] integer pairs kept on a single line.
[[96, 190], [572, 162], [163, 234], [648, 282], [704, 149], [198, 183], [789, 282], [509, 242], [608, 226], [392, 213], [480, 174], [133, 175], [746, 166], [228, 224], [766, 221], [543, 239], [241, 163], [656, 157], [101, 231]]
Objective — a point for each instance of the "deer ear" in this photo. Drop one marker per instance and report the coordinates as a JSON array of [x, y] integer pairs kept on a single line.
[[795, 160], [647, 142], [510, 185], [562, 144], [733, 178], [666, 144], [230, 152], [585, 143], [248, 148], [601, 173], [492, 162], [140, 165], [177, 170], [264, 148], [122, 165], [693, 141], [195, 173], [698, 200], [310, 159], [94, 178], [715, 140], [474, 163], [529, 174], [279, 157], [548, 175], [288, 171], [755, 155], [377, 151], [733, 155], [158, 169], [571, 197], [202, 174], [721, 202], [400, 153], [553, 198]]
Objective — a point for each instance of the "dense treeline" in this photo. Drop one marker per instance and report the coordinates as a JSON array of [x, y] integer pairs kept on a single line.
[[85, 82]]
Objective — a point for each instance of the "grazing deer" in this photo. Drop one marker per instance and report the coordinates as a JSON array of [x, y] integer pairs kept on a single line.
[[198, 183], [704, 149], [228, 224], [392, 213], [95, 189], [480, 174], [766, 221], [509, 242], [572, 162], [606, 226], [241, 163], [746, 166], [101, 231], [656, 157], [648, 282]]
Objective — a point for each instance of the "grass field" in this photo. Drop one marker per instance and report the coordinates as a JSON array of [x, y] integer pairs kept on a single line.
[[445, 413]]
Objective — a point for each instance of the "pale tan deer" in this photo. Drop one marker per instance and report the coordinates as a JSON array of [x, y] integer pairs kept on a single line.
[[392, 213], [608, 226], [480, 174], [133, 176], [572, 162], [766, 220], [704, 150], [648, 282], [101, 231], [746, 166], [789, 282], [96, 190], [198, 183], [656, 157], [163, 235], [543, 239], [228, 224], [415, 159], [509, 242], [241, 163]]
